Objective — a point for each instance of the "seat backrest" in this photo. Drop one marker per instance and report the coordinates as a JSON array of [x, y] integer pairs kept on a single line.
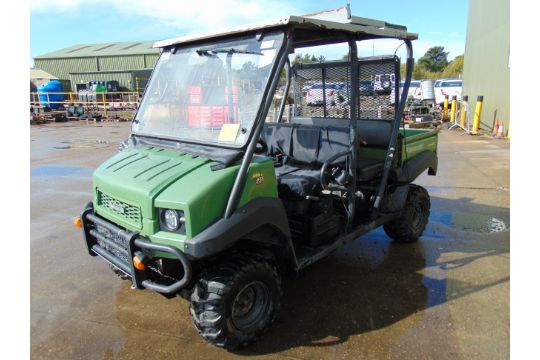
[[305, 144], [278, 137], [375, 133]]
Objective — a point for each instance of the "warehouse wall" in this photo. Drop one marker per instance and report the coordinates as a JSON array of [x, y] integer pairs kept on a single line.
[[62, 67], [120, 68], [107, 63], [487, 59], [150, 61]]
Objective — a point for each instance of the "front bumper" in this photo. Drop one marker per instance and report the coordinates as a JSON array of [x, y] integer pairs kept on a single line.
[[117, 246]]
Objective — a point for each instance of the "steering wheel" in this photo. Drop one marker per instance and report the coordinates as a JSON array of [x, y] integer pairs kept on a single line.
[[263, 148], [335, 172]]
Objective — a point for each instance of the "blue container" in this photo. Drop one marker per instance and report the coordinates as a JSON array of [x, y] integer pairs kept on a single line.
[[53, 86]]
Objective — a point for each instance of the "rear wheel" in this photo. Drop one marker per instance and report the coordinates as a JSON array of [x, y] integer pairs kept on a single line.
[[234, 303], [414, 217]]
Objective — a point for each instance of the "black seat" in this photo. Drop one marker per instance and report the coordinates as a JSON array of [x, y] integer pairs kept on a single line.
[[296, 182], [304, 149]]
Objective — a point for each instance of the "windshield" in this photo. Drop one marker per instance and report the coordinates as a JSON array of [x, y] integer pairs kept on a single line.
[[451, 84], [413, 84], [188, 96]]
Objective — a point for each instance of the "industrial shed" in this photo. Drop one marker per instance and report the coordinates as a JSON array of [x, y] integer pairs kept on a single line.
[[486, 71], [38, 77], [129, 63]]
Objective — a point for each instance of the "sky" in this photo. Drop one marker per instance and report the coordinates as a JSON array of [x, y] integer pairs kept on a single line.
[[56, 24]]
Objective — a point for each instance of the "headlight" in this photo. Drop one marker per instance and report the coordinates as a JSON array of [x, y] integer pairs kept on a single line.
[[172, 220]]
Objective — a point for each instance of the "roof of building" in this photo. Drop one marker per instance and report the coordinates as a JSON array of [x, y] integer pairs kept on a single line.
[[338, 19], [103, 49], [36, 73]]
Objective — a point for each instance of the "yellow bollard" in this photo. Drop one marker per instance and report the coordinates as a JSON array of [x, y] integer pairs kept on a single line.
[[477, 113], [508, 131], [445, 108], [453, 109], [464, 109]]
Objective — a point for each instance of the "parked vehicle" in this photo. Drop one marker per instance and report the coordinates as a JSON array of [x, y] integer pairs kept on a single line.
[[335, 94], [207, 201], [384, 83], [307, 86], [450, 87], [415, 91], [366, 88]]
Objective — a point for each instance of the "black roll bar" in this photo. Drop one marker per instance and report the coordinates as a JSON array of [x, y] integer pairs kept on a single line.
[[286, 91], [395, 126], [240, 180], [353, 133]]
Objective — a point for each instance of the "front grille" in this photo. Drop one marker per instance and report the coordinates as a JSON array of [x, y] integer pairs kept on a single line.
[[116, 245], [130, 213]]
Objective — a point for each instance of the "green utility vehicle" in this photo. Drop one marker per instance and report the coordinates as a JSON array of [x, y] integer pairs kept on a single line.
[[216, 195]]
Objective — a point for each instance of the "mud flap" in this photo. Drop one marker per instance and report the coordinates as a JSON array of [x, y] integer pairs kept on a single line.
[[395, 201]]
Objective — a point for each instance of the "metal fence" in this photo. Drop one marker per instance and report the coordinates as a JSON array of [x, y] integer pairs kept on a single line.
[[324, 89], [112, 105]]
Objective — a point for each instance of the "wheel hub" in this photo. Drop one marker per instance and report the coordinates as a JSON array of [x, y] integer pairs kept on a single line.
[[250, 305]]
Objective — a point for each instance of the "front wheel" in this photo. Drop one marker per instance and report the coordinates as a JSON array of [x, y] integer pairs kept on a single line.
[[233, 304], [414, 217]]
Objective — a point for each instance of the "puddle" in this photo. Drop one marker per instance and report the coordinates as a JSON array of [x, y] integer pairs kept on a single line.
[[468, 221], [438, 189], [434, 280], [444, 217], [59, 170], [82, 144], [496, 226]]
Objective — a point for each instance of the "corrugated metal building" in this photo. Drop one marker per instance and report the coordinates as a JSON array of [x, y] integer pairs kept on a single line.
[[486, 70], [129, 63], [38, 77]]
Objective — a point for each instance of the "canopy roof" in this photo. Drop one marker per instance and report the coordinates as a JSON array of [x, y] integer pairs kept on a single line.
[[338, 20]]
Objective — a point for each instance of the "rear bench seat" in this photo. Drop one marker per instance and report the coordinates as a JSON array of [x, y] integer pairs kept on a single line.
[[304, 149]]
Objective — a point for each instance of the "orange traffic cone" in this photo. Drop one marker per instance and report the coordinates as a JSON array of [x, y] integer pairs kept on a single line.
[[495, 128], [500, 132]]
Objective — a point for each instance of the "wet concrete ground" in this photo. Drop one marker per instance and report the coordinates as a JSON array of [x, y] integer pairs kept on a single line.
[[446, 297]]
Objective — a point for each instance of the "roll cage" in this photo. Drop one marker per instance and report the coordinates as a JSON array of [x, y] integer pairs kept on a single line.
[[308, 31]]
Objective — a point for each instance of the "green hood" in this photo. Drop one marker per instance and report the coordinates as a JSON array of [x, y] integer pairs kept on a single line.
[[129, 187], [134, 177]]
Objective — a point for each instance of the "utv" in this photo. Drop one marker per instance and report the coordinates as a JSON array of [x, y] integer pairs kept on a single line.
[[214, 197]]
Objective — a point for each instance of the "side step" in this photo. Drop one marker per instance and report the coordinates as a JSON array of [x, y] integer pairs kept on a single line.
[[323, 250]]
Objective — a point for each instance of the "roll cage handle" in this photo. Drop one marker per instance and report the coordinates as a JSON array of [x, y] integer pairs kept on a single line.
[[287, 68], [395, 128]]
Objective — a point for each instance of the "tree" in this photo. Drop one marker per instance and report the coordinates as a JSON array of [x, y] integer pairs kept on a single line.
[[307, 58], [418, 73], [434, 60], [455, 68]]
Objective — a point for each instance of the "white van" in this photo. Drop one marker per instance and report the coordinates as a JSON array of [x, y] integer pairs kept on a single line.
[[415, 91], [450, 87]]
